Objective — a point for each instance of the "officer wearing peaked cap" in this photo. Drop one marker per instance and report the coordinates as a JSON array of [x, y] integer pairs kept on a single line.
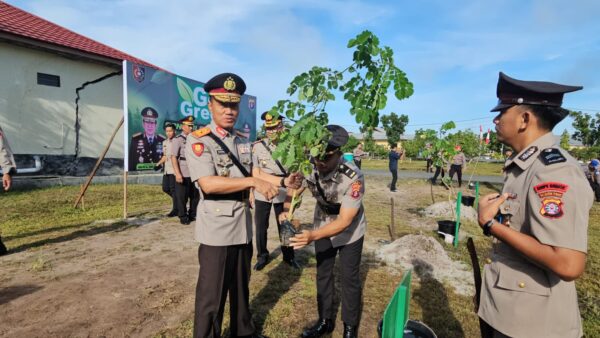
[[184, 188], [262, 153], [220, 163], [539, 222], [146, 147], [339, 228]]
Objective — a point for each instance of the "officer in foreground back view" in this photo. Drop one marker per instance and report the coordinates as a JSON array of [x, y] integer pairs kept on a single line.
[[539, 222], [7, 163]]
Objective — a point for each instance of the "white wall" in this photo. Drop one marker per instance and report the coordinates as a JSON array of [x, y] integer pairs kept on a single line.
[[40, 119]]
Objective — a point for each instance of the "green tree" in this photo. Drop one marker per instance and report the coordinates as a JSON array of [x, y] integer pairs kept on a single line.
[[587, 128], [417, 146], [368, 139], [564, 140], [394, 126], [364, 83], [468, 140]]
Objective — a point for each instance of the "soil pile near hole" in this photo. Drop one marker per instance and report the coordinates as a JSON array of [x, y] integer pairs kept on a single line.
[[447, 209], [429, 259]]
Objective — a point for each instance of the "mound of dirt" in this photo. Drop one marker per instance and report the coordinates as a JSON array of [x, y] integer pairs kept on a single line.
[[429, 260], [447, 209]]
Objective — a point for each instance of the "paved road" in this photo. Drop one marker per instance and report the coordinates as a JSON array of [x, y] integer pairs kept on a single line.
[[425, 175]]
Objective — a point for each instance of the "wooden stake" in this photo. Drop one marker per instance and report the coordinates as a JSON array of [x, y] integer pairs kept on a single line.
[[392, 227], [93, 173]]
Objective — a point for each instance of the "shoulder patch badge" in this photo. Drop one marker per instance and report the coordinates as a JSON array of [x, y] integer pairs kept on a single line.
[[201, 132], [552, 156], [551, 194], [355, 190], [528, 153], [198, 149]]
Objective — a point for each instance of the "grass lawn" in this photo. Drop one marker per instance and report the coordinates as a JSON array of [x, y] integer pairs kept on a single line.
[[283, 301], [481, 168]]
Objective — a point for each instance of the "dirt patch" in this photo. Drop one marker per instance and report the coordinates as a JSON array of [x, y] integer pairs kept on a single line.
[[428, 257], [447, 210]]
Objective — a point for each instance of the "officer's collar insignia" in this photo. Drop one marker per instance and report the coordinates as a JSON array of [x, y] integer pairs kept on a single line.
[[551, 194], [551, 156], [198, 149], [201, 132], [528, 153], [222, 132], [229, 84]]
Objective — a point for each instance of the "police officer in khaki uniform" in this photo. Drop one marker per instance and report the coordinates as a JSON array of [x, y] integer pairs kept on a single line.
[[9, 168], [539, 222], [168, 181], [339, 227], [146, 147], [184, 188], [221, 164], [457, 164], [262, 152]]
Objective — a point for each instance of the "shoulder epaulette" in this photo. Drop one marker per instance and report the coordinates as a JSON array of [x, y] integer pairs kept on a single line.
[[201, 132], [136, 135], [162, 136], [346, 170], [552, 156]]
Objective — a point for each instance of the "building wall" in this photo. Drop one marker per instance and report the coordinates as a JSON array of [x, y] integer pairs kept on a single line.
[[40, 119]]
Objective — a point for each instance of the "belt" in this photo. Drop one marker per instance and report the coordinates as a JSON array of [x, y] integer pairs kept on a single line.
[[234, 196], [330, 209]]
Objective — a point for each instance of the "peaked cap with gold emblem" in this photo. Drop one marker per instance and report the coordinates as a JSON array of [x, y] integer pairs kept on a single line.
[[188, 121], [271, 122], [149, 114], [226, 87]]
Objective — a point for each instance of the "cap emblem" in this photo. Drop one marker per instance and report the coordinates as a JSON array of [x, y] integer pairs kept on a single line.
[[229, 84]]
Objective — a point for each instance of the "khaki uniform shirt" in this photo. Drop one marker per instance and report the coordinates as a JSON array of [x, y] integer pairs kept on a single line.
[[519, 298], [178, 150], [223, 222], [167, 145], [346, 186], [459, 159], [263, 159], [7, 160]]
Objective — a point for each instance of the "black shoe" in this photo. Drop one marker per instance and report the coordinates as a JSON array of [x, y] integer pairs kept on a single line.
[[322, 327], [350, 331], [261, 263], [184, 220], [192, 218], [293, 263], [3, 250], [173, 213]]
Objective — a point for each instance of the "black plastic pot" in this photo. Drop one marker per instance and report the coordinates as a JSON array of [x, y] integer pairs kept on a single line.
[[287, 231], [447, 227], [413, 329], [468, 200]]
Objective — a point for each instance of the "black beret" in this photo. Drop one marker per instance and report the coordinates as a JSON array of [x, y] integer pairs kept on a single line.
[[226, 87], [339, 137], [512, 92], [149, 114]]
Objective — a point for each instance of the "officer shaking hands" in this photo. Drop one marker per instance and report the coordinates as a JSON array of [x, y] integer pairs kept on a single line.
[[262, 152], [220, 162], [539, 222], [339, 227]]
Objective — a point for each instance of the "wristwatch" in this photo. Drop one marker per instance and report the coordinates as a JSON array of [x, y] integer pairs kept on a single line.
[[282, 182], [487, 227]]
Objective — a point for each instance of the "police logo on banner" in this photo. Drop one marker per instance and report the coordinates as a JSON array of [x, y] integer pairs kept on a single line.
[[139, 73], [251, 103]]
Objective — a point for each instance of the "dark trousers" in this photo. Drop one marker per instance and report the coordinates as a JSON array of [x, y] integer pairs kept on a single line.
[[223, 270], [262, 211], [456, 168], [596, 188], [394, 172], [185, 192], [168, 187], [351, 289], [438, 170], [358, 163], [428, 165]]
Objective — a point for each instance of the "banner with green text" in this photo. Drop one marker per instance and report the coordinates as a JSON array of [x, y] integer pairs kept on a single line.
[[152, 98]]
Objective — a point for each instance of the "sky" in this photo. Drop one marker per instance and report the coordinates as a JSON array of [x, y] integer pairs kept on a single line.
[[451, 51]]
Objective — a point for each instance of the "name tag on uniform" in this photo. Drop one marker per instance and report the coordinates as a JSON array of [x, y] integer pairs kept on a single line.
[[244, 148]]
